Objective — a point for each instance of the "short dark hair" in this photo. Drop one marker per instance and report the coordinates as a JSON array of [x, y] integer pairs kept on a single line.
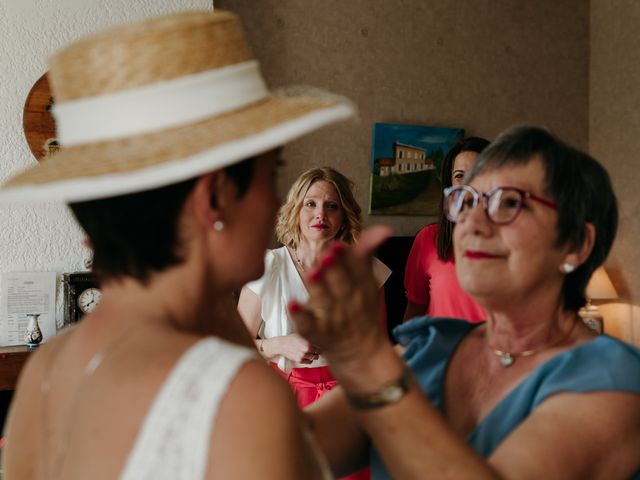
[[136, 234], [579, 185], [444, 235]]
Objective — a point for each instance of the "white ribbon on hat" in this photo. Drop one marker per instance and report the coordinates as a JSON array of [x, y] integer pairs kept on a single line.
[[159, 106]]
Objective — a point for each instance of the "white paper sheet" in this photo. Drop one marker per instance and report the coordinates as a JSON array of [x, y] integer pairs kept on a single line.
[[22, 293]]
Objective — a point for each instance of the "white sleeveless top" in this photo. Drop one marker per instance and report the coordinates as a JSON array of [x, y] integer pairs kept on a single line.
[[282, 283], [174, 439]]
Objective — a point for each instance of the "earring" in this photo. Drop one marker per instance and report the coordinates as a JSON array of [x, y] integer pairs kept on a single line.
[[567, 267], [218, 225]]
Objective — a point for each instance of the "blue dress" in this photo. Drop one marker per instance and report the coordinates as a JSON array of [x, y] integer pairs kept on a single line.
[[603, 364]]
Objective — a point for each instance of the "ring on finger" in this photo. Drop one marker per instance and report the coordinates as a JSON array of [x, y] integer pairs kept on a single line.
[[320, 313]]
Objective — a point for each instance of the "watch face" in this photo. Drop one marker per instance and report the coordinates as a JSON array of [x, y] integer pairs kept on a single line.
[[88, 299]]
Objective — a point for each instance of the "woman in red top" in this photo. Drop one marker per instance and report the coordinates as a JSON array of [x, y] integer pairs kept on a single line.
[[430, 278]]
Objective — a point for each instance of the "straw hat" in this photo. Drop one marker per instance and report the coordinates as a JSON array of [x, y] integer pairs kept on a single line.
[[154, 103]]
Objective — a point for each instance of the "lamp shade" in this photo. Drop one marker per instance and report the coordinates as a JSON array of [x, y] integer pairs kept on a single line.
[[600, 286]]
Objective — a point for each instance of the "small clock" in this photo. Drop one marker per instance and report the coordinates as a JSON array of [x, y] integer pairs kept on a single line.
[[88, 299], [82, 295]]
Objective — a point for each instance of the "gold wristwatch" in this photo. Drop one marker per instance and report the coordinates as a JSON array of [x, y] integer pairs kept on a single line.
[[386, 395]]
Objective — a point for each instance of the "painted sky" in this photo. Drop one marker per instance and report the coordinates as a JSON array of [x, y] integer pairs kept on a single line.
[[429, 138]]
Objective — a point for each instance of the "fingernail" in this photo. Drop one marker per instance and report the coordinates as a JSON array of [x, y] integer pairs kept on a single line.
[[327, 261], [293, 306], [338, 248], [316, 275]]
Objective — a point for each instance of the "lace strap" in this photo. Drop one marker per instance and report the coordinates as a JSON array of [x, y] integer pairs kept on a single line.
[[174, 439]]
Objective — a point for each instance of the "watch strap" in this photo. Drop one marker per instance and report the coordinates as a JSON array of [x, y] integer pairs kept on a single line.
[[387, 395]]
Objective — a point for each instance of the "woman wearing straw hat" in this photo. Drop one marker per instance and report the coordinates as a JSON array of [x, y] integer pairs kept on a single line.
[[170, 146]]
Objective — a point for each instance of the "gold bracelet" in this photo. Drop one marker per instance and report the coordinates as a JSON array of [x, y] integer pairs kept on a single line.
[[386, 395]]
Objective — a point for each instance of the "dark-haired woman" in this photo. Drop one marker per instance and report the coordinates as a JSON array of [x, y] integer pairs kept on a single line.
[[430, 280], [173, 182]]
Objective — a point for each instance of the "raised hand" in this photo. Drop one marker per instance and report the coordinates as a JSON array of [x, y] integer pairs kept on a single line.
[[342, 314]]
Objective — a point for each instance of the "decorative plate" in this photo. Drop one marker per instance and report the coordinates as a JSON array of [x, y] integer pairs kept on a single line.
[[38, 123]]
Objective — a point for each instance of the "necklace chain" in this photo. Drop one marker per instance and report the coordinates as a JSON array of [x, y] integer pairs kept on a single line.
[[509, 358], [295, 256], [57, 461]]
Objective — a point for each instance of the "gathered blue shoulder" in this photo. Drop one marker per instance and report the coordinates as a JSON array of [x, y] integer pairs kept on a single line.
[[429, 326], [429, 344], [603, 364]]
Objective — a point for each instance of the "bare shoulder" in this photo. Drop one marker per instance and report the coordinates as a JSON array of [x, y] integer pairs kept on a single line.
[[592, 435], [256, 383], [250, 309], [22, 427], [35, 370], [259, 415]]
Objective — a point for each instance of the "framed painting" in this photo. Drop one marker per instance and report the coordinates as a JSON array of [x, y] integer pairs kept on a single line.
[[405, 166]]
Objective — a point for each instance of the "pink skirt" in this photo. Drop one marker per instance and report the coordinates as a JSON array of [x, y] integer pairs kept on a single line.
[[309, 384]]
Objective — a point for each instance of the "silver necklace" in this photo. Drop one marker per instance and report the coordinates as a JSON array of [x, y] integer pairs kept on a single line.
[[509, 358], [57, 461]]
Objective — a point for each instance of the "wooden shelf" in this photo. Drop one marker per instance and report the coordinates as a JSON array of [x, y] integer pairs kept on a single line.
[[12, 359]]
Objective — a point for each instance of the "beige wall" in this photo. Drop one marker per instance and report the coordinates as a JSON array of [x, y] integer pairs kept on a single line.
[[482, 65], [43, 236], [614, 136]]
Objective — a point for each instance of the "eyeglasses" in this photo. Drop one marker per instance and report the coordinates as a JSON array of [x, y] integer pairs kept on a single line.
[[502, 205]]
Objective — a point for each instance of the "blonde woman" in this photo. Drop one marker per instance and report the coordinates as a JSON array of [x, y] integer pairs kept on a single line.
[[320, 209]]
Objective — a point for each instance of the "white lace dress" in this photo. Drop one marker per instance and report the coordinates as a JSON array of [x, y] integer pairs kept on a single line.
[[173, 442]]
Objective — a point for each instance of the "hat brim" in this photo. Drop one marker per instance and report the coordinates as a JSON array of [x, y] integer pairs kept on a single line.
[[162, 158]]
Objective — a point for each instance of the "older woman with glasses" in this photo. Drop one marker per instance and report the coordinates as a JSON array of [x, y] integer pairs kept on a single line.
[[530, 393]]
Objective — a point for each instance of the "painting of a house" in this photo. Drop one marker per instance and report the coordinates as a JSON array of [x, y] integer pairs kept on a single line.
[[405, 163]]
